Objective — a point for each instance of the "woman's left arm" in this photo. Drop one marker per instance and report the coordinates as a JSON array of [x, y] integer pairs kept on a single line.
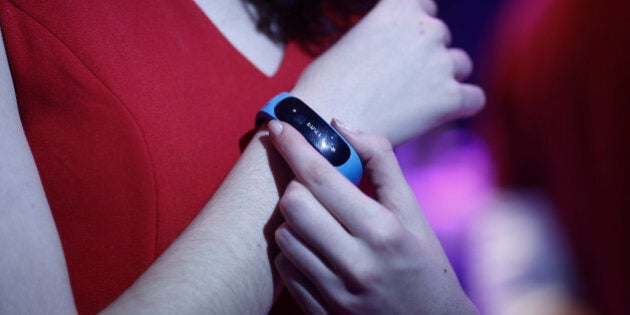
[[344, 252]]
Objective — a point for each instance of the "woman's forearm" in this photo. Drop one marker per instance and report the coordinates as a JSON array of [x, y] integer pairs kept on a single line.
[[221, 262]]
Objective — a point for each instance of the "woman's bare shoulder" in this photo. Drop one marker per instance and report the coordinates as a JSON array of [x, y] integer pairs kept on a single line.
[[28, 235], [8, 104]]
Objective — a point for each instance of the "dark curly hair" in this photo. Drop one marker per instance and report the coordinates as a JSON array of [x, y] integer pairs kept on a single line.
[[315, 24]]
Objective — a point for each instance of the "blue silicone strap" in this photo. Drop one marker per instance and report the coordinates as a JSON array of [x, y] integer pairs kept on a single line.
[[352, 169]]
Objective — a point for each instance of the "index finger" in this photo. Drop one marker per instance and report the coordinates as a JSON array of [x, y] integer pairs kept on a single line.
[[353, 209]]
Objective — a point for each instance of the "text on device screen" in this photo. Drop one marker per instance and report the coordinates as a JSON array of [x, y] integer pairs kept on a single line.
[[318, 133]]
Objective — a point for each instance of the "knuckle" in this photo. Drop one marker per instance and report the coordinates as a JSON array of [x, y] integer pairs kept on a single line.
[[430, 7], [460, 55], [371, 278], [461, 97], [282, 264], [454, 96], [317, 173], [382, 149], [353, 305], [281, 237], [466, 57], [473, 99], [382, 145], [388, 235], [439, 30], [482, 99], [364, 278], [291, 199], [346, 304]]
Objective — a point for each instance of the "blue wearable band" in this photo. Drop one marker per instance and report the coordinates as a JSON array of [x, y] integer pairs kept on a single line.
[[319, 133]]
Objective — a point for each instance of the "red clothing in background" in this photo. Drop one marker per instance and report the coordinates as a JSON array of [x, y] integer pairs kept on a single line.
[[558, 113], [135, 111]]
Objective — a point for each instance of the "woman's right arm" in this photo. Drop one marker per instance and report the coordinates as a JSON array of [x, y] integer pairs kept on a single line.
[[33, 274]]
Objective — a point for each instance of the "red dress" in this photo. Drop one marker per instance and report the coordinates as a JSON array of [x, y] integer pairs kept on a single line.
[[135, 111]]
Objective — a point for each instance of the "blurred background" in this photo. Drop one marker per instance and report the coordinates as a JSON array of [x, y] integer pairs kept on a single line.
[[529, 198]]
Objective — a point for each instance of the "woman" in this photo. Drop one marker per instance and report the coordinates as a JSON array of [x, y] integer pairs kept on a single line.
[[124, 107], [557, 124]]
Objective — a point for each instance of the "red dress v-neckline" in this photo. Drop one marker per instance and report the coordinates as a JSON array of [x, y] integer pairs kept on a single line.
[[289, 49]]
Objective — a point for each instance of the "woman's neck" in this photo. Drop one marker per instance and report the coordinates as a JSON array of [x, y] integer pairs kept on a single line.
[[235, 23]]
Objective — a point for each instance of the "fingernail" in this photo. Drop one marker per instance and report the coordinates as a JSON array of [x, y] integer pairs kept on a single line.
[[275, 127], [341, 125]]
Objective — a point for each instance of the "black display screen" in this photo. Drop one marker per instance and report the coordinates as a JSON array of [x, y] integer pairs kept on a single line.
[[318, 133]]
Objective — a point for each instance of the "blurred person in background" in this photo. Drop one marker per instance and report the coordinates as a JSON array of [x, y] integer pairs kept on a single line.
[[554, 240]]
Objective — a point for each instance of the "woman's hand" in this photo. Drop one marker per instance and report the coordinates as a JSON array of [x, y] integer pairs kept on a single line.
[[344, 252], [392, 74]]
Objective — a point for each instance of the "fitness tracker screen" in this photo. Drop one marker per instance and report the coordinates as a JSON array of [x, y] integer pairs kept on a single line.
[[318, 133]]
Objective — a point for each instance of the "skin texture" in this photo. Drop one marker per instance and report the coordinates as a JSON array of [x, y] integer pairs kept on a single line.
[[221, 262], [398, 67], [346, 253]]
